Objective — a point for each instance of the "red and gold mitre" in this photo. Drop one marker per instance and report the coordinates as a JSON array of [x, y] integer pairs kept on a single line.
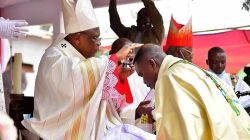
[[179, 35]]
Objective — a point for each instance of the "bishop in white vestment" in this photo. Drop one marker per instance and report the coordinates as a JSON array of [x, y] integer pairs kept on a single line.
[[73, 89]]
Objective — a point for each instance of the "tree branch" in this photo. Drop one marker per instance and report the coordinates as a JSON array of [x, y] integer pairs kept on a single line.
[[246, 5]]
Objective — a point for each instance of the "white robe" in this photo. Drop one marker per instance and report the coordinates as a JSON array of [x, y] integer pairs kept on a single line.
[[138, 88], [68, 92], [140, 92], [240, 86]]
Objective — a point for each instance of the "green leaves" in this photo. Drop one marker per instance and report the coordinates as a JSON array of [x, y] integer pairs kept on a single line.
[[246, 5]]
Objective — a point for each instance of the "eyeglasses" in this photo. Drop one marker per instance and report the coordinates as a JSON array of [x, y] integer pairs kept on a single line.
[[187, 51], [95, 39]]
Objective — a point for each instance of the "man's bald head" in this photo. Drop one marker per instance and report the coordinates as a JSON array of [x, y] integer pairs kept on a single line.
[[118, 44], [147, 63]]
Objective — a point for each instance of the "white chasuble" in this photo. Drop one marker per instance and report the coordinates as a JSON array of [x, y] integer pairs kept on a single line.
[[68, 96]]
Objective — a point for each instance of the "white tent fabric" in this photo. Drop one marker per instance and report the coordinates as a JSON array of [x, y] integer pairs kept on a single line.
[[214, 14]]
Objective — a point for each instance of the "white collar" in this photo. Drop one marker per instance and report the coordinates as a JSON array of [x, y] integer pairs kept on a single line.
[[219, 75], [69, 49]]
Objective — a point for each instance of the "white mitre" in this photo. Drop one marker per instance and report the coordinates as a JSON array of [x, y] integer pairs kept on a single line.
[[78, 15]]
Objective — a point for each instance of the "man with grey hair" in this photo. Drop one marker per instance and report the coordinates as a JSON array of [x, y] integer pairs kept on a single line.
[[191, 103]]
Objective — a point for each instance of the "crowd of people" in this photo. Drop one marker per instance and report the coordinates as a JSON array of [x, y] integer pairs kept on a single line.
[[140, 91]]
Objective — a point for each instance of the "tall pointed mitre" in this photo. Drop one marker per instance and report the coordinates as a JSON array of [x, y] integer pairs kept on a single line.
[[78, 15], [179, 35]]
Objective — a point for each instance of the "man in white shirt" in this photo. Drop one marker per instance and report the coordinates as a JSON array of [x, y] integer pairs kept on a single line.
[[217, 64]]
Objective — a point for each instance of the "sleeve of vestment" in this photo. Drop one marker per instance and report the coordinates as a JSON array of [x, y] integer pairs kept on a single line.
[[113, 88]]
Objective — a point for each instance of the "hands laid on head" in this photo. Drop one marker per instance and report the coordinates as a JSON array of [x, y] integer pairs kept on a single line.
[[126, 50]]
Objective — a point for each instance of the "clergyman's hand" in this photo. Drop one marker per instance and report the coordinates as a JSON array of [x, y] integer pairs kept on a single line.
[[124, 51], [144, 109]]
